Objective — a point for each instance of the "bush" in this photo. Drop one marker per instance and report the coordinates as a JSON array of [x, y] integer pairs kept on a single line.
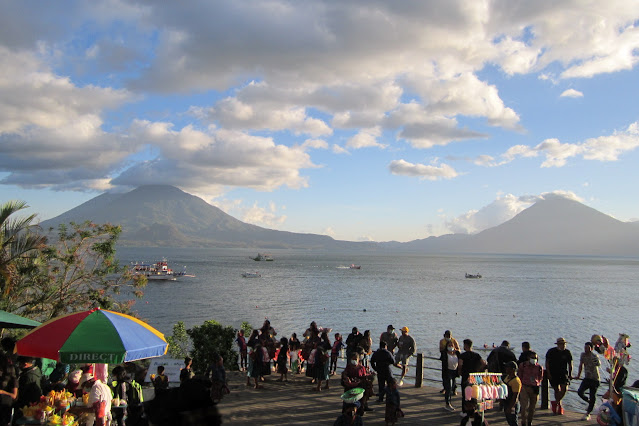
[[209, 339]]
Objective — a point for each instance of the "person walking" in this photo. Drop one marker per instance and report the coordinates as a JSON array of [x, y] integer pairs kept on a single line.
[[381, 361], [589, 362], [499, 357], [511, 405], [559, 371], [531, 375], [449, 368], [405, 349]]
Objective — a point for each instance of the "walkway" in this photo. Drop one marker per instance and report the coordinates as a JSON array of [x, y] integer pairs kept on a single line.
[[296, 403]]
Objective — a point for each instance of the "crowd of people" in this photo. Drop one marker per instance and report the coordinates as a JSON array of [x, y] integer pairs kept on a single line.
[[317, 356]]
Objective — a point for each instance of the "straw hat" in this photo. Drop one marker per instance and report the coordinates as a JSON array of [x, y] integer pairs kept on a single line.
[[560, 340]]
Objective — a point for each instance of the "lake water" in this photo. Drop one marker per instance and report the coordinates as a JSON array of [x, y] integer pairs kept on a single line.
[[533, 298]]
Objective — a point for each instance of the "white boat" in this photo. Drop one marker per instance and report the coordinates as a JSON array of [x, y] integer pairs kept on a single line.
[[263, 257], [158, 271], [251, 274]]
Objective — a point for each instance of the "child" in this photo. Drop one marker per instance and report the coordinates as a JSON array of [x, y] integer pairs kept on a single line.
[[282, 360], [160, 381], [335, 350], [294, 352], [218, 380], [472, 415], [241, 343], [392, 403]]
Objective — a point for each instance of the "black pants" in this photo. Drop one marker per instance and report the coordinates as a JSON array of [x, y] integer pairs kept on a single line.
[[382, 381], [592, 385], [449, 383]]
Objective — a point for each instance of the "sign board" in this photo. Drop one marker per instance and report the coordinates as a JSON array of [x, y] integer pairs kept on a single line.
[[172, 369]]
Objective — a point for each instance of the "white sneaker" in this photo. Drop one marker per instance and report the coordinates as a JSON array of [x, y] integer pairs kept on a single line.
[[449, 407], [587, 416], [400, 383]]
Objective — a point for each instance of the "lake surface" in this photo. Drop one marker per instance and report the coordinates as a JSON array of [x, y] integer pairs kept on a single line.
[[533, 298]]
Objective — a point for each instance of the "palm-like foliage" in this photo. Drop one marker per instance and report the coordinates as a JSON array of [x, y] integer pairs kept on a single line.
[[18, 242]]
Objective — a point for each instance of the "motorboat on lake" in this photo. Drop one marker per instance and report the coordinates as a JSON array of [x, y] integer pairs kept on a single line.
[[263, 257], [353, 266], [158, 271], [251, 275], [473, 275]]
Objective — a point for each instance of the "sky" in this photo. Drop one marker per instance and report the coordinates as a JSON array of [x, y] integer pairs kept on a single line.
[[361, 120]]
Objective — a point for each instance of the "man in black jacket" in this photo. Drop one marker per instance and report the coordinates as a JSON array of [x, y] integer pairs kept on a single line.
[[381, 361]]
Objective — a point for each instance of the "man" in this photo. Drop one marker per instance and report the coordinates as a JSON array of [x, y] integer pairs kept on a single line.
[[29, 382], [405, 349], [444, 343], [469, 362], [589, 363], [390, 337], [352, 341], [559, 369], [531, 375], [499, 357], [525, 352], [381, 361], [511, 405]]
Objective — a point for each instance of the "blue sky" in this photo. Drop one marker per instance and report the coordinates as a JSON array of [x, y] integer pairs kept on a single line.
[[369, 120]]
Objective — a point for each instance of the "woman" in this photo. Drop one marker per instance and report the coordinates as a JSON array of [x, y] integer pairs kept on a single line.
[[322, 361], [450, 362], [355, 376], [8, 389], [365, 347]]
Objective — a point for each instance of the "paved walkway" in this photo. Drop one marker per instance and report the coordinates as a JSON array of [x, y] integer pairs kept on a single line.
[[296, 403]]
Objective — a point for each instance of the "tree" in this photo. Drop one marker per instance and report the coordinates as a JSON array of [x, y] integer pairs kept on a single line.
[[209, 339], [19, 246], [178, 342], [77, 272]]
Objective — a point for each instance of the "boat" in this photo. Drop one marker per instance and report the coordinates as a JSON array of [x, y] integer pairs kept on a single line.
[[158, 271], [353, 266], [251, 274], [473, 275], [263, 257]]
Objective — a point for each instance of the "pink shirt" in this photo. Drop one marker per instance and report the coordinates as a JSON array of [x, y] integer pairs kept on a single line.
[[530, 375]]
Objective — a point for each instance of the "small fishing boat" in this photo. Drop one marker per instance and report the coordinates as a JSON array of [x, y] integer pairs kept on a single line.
[[251, 274], [473, 275], [353, 266]]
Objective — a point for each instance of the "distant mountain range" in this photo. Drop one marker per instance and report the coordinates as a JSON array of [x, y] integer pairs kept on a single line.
[[162, 215]]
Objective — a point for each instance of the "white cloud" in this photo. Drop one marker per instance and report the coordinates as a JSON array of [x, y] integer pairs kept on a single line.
[[603, 148], [571, 93], [428, 172], [365, 138], [263, 216], [502, 209]]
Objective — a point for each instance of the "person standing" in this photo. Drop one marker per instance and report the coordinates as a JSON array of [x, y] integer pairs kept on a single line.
[[531, 375], [381, 361], [390, 337], [499, 357], [405, 349], [8, 389], [443, 345], [559, 371], [29, 382], [589, 362], [243, 349], [352, 341], [449, 368], [511, 405], [469, 362], [187, 373], [525, 352]]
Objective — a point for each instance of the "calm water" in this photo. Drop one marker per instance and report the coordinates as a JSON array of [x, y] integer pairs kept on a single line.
[[534, 298]]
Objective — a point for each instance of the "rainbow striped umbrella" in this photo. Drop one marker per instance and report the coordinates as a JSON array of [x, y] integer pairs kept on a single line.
[[95, 336]]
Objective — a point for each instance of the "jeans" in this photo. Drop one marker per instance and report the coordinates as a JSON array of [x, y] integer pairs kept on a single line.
[[528, 400], [382, 380], [511, 418], [449, 383], [592, 385]]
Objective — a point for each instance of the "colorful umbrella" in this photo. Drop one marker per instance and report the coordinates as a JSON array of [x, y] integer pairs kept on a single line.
[[92, 336], [9, 320]]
